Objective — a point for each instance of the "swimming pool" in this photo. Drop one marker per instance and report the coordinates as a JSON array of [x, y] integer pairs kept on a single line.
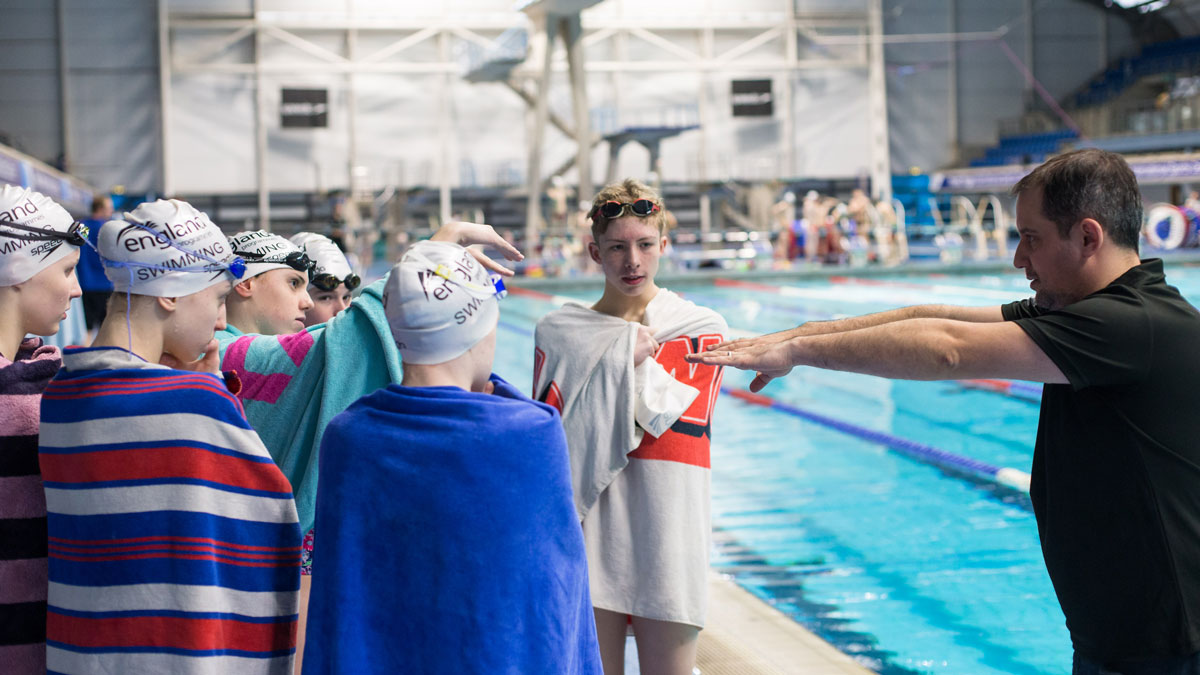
[[901, 563]]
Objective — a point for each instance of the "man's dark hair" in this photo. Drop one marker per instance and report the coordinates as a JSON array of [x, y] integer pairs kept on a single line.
[[1089, 183]]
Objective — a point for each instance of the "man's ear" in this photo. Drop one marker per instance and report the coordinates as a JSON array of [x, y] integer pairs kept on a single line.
[[1092, 234], [594, 252], [244, 288]]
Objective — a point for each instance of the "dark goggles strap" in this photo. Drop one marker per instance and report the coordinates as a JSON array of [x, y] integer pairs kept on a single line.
[[38, 234]]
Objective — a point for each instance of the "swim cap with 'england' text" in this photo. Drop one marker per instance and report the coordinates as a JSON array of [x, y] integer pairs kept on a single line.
[[24, 253], [439, 302], [165, 249]]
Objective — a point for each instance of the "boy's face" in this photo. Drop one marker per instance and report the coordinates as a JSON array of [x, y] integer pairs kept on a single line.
[[628, 252], [280, 302]]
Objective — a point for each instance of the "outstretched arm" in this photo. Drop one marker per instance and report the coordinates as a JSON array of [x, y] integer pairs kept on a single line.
[[910, 349], [953, 312]]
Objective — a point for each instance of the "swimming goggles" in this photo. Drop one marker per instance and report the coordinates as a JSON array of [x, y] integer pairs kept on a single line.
[[495, 285], [76, 235], [613, 209], [297, 260], [328, 282]]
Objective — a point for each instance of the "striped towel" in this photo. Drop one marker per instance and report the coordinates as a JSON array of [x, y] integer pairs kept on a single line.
[[173, 540], [23, 510]]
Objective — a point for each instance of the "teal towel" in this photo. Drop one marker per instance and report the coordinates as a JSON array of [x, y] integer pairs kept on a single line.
[[293, 385]]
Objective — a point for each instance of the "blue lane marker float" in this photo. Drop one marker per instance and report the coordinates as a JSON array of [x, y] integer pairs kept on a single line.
[[1014, 479]]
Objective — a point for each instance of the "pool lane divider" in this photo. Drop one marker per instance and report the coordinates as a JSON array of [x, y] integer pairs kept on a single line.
[[1004, 477], [1014, 479], [1026, 391]]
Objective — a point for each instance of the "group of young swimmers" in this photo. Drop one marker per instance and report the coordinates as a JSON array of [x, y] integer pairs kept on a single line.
[[259, 466]]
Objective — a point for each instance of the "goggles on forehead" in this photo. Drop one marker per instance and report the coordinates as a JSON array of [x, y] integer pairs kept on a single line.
[[76, 235], [495, 285], [613, 209], [297, 260], [328, 282]]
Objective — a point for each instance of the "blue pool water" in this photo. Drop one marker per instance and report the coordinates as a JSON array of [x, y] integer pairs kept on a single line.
[[904, 566]]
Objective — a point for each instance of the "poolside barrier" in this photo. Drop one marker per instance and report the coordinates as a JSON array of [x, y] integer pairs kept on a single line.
[[927, 454]]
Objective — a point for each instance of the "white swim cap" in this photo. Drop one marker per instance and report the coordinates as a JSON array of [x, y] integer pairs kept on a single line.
[[439, 302], [264, 252], [165, 249], [326, 256], [24, 253]]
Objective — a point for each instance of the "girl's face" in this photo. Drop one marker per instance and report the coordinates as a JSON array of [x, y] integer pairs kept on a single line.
[[280, 302], [45, 297], [326, 304], [196, 317], [629, 252]]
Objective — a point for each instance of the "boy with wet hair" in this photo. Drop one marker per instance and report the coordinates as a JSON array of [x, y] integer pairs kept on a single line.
[[491, 576], [174, 543], [638, 421]]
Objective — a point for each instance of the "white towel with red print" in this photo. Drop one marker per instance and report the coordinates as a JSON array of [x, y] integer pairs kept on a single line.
[[643, 497]]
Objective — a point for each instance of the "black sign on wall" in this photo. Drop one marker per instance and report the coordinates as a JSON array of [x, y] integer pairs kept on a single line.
[[304, 108], [752, 98]]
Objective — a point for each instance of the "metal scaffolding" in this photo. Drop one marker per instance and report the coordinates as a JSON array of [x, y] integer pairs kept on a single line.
[[710, 42]]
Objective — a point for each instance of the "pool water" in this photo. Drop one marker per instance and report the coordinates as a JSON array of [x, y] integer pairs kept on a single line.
[[904, 566]]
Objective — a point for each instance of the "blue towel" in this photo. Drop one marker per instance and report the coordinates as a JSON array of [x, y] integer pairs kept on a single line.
[[449, 542]]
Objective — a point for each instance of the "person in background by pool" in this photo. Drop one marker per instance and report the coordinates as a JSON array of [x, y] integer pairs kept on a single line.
[[333, 281], [37, 283], [638, 420], [452, 491], [96, 286], [1116, 465]]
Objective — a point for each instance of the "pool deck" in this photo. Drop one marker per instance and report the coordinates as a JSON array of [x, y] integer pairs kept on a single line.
[[746, 636]]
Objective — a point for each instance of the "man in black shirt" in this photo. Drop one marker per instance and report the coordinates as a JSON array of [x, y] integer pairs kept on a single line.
[[1116, 465]]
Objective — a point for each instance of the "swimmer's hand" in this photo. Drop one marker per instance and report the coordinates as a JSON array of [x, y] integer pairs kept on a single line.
[[769, 360], [209, 363], [467, 234], [645, 346]]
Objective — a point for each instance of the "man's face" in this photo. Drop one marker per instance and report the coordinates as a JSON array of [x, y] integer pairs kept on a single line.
[[1051, 263], [628, 252], [280, 302]]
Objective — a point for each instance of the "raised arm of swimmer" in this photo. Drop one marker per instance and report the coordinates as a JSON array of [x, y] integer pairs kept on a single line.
[[468, 234]]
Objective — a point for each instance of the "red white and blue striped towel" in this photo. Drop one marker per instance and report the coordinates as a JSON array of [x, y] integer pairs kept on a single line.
[[173, 539]]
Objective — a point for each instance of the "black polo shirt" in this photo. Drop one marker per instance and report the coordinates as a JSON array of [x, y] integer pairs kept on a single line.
[[1116, 466]]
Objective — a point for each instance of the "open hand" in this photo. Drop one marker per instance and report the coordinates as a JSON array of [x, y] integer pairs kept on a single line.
[[769, 360], [761, 340], [468, 234]]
